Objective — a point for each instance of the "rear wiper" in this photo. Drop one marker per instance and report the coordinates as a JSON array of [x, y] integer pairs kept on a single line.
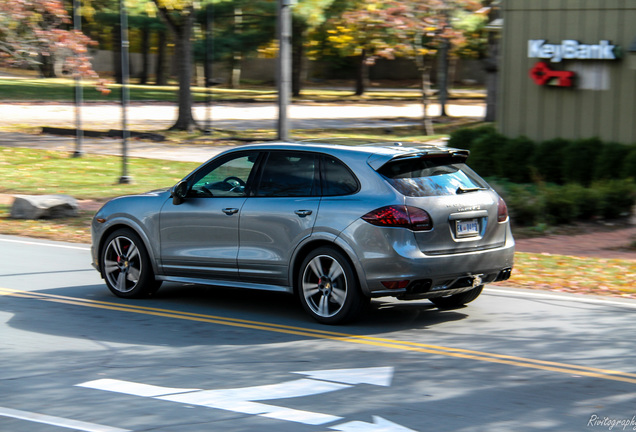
[[461, 190]]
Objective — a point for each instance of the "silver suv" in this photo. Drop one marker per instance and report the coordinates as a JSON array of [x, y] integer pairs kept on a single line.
[[334, 224]]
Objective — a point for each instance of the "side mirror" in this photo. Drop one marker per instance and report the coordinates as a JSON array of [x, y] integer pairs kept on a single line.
[[179, 192]]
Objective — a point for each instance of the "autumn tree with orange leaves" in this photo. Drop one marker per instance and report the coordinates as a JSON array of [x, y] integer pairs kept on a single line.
[[34, 31], [415, 29]]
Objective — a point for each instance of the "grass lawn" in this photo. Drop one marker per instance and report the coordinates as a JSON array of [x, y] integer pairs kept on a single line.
[[93, 177], [62, 89]]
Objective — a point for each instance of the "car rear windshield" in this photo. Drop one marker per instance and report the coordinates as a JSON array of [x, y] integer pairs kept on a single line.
[[431, 176]]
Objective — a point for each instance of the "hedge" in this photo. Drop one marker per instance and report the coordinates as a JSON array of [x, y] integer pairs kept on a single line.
[[559, 161], [555, 181]]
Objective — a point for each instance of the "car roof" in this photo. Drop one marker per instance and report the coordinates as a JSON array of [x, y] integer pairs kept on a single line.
[[376, 153]]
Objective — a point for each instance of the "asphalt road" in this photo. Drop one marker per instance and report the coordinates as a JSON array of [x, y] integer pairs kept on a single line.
[[201, 359]]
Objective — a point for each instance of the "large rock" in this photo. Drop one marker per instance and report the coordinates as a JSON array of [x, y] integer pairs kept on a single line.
[[43, 206]]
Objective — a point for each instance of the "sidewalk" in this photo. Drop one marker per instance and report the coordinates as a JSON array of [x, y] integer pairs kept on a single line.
[[231, 116], [598, 244]]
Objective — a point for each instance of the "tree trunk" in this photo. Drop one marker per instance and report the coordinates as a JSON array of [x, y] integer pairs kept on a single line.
[[182, 31], [491, 66], [236, 63], [145, 53], [424, 69], [47, 66], [362, 72], [116, 38], [299, 29], [492, 74], [443, 77], [161, 71], [183, 58]]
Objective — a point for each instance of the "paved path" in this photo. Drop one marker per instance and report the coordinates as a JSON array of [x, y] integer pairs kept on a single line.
[[599, 243], [231, 116]]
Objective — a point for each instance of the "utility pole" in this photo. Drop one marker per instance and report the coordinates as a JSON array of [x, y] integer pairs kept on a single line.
[[443, 64], [207, 71], [284, 66], [125, 178], [79, 132]]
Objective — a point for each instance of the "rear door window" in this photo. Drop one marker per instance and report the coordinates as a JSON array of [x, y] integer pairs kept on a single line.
[[338, 179], [431, 176], [289, 174]]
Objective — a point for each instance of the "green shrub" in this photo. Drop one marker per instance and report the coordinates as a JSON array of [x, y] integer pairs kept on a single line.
[[548, 160], [587, 200], [531, 205], [515, 160], [628, 169], [560, 207], [484, 154], [617, 197], [525, 205], [579, 161], [464, 138], [610, 161]]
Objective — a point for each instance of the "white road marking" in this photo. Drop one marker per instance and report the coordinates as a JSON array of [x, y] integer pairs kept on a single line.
[[380, 376], [379, 425], [554, 296], [84, 248], [57, 421], [245, 400], [132, 388]]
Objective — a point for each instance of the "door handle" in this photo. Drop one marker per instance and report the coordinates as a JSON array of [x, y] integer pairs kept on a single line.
[[230, 211], [303, 213]]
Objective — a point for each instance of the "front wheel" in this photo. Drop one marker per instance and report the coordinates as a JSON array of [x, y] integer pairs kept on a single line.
[[328, 288], [457, 300], [126, 266]]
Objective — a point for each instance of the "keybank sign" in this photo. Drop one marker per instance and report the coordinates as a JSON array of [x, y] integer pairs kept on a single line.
[[571, 50]]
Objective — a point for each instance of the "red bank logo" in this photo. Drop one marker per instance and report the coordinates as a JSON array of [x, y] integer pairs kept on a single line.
[[542, 75]]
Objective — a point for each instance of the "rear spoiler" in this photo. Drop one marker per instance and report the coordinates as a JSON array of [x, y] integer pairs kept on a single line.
[[454, 155]]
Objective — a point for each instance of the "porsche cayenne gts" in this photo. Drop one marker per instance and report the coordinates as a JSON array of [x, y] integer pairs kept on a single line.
[[336, 225]]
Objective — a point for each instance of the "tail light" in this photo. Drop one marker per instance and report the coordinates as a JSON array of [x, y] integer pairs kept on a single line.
[[502, 211], [400, 216]]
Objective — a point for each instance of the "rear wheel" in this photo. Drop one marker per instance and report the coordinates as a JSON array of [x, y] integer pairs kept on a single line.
[[126, 266], [457, 300], [328, 288]]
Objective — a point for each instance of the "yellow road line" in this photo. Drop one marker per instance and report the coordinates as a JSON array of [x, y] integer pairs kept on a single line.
[[336, 336]]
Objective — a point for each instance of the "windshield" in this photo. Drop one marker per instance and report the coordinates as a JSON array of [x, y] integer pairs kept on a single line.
[[424, 177]]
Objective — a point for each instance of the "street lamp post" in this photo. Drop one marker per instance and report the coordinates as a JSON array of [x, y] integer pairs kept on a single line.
[[79, 133], [125, 178], [284, 66], [207, 73]]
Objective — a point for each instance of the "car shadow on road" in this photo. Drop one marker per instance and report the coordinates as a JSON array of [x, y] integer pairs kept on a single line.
[[192, 311]]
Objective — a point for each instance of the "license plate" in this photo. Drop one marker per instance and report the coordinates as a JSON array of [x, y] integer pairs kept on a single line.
[[467, 228]]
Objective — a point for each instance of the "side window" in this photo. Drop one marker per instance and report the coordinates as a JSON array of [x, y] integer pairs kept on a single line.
[[229, 179], [288, 174], [338, 179]]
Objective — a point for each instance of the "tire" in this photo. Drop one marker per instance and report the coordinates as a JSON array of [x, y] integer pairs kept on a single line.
[[126, 266], [328, 288], [457, 300]]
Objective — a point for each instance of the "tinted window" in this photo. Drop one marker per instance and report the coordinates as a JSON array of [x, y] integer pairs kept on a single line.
[[227, 179], [288, 175], [338, 179], [430, 177]]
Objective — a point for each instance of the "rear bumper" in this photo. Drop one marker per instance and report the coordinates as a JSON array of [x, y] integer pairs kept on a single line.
[[398, 259]]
